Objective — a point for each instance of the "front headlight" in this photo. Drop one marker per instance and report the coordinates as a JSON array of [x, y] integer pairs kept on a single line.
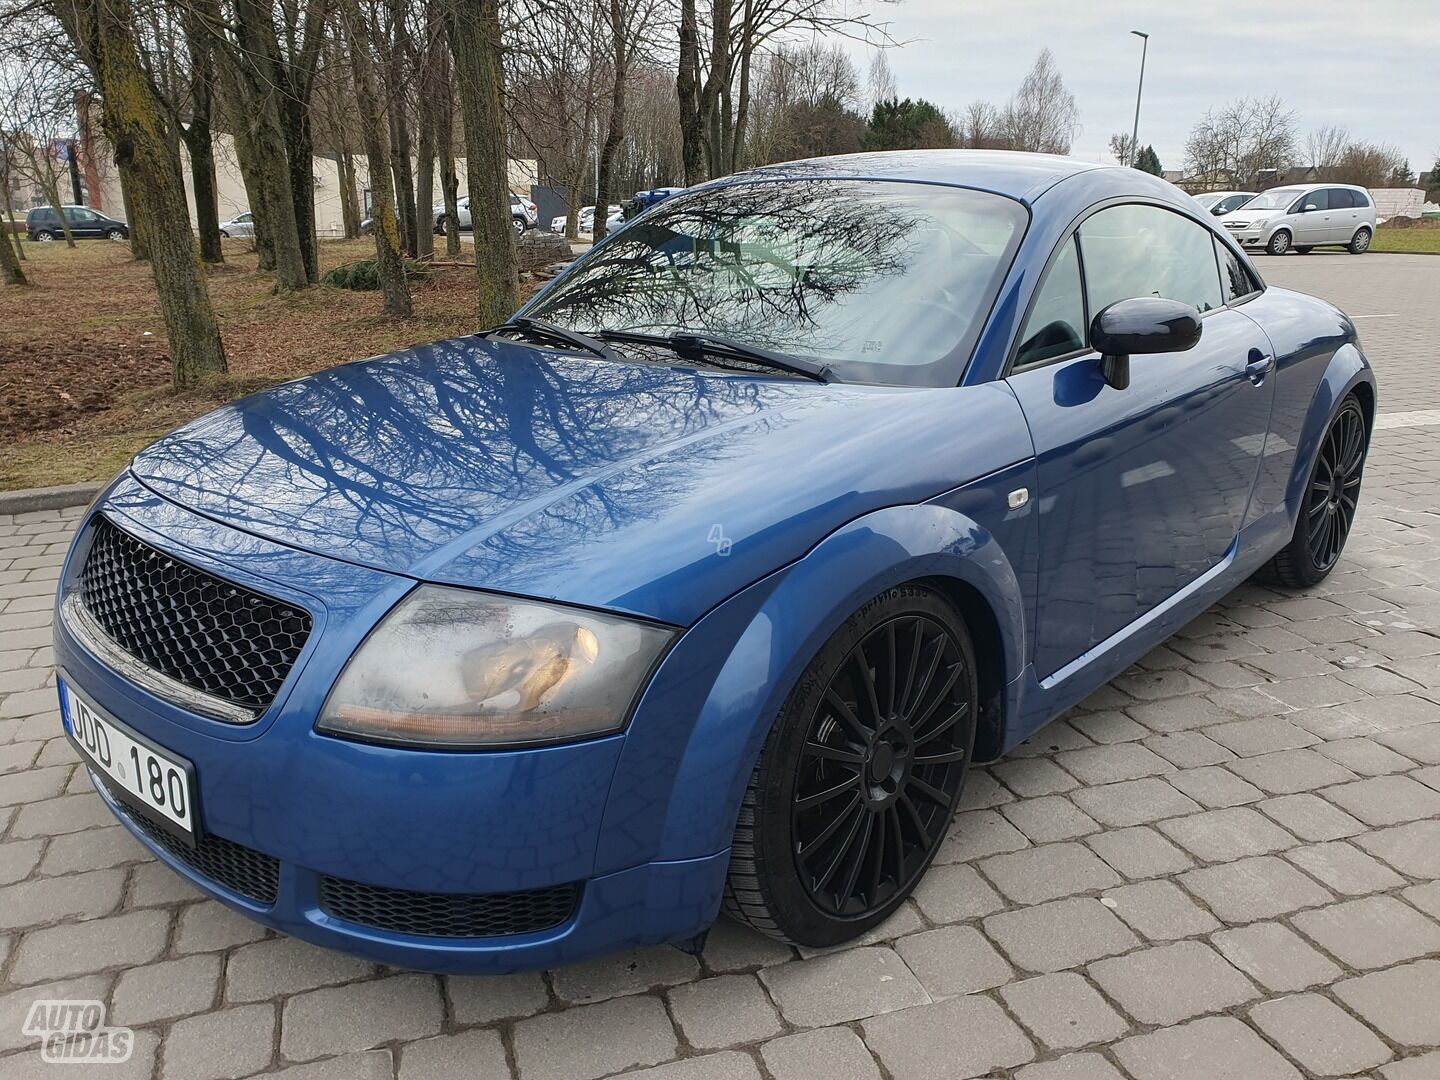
[[453, 668]]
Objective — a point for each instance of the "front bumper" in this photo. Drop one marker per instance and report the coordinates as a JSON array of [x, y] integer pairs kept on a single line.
[[444, 824]]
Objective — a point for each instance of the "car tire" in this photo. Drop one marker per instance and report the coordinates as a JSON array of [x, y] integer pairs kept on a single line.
[[1332, 494], [224, 235], [1360, 242], [115, 235], [1303, 250], [519, 226], [843, 814], [1279, 244], [44, 236]]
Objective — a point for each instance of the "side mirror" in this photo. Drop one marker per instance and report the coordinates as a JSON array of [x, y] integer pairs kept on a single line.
[[1309, 208], [1217, 210], [1142, 324]]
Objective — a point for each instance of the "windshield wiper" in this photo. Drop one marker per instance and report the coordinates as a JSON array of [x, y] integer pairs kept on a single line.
[[539, 328], [693, 346]]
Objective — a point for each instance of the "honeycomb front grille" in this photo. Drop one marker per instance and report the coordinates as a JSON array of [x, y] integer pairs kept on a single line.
[[206, 633], [448, 915], [238, 868]]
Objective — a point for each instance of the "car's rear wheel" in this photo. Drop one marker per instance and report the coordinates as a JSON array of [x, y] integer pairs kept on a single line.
[[1327, 512], [857, 782], [519, 226], [44, 236], [1279, 243], [1360, 242], [224, 235]]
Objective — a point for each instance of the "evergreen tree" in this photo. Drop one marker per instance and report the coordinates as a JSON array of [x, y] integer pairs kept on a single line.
[[906, 125], [1148, 161]]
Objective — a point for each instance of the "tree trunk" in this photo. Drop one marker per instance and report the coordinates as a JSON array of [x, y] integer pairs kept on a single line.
[[615, 130], [10, 271], [687, 90], [300, 152], [255, 195], [198, 141], [404, 184], [715, 79], [445, 138], [11, 234], [103, 33], [51, 186], [389, 263], [139, 239], [742, 113], [349, 200], [474, 28], [425, 184]]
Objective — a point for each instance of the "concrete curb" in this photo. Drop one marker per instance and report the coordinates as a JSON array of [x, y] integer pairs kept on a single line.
[[47, 498]]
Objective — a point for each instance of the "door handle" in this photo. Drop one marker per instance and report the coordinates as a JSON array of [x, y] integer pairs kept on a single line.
[[1259, 366]]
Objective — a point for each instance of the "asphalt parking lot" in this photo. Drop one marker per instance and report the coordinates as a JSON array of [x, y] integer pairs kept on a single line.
[[1222, 865]]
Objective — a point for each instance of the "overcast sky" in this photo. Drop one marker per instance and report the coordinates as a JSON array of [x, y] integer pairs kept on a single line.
[[1370, 65]]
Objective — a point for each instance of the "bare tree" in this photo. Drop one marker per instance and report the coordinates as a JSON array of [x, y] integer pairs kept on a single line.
[[981, 126], [1122, 148], [1245, 144], [35, 109], [1042, 116], [882, 79], [1325, 146]]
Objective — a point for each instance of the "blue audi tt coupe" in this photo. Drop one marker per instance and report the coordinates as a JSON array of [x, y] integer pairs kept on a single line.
[[699, 584]]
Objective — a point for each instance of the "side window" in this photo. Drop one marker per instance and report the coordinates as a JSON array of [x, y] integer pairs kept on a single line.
[[1138, 250], [1359, 198], [1056, 324], [1234, 278], [77, 215], [1319, 199]]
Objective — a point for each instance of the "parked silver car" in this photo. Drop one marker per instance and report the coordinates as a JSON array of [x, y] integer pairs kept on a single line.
[[239, 225], [1221, 203], [523, 214], [1305, 216]]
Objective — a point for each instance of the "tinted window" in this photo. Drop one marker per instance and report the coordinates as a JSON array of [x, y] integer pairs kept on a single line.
[[1234, 278], [1146, 251], [77, 215], [886, 282], [1359, 198], [1056, 324], [1318, 199], [1234, 202]]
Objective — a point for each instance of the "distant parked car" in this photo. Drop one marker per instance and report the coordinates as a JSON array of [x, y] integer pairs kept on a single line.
[[240, 225], [42, 224], [1305, 216], [1221, 203], [523, 214], [586, 219]]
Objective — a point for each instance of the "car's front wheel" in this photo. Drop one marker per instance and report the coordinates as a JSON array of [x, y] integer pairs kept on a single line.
[[1328, 510], [1360, 242], [44, 236], [1279, 243], [860, 775], [115, 234]]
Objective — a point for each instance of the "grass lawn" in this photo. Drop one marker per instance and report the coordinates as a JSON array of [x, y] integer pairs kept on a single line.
[[84, 364], [1418, 239]]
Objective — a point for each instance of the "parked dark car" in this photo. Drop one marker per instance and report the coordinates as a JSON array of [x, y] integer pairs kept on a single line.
[[700, 583], [42, 224]]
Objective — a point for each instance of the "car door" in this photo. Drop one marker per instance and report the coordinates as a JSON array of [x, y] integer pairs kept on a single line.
[[84, 224], [1312, 220], [1344, 217], [1141, 490]]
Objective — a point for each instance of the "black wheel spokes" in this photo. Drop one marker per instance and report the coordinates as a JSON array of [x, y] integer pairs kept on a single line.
[[881, 766], [1335, 488]]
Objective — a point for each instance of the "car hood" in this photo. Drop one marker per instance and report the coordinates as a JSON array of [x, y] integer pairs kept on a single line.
[[640, 487], [1245, 216]]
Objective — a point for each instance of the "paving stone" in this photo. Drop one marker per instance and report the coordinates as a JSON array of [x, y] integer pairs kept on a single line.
[[1134, 802], [628, 972], [1430, 776], [1111, 764], [1108, 727], [49, 900], [953, 960], [220, 1045], [1048, 872], [1403, 1004], [18, 858], [285, 966], [1139, 852], [1153, 685], [1276, 957], [1225, 835], [210, 925], [948, 894], [1048, 819], [983, 791], [1345, 868], [1250, 702], [1310, 817], [1413, 849], [154, 884], [1425, 897], [1060, 934], [1207, 1049], [341, 1019], [1057, 735], [732, 947], [1420, 744], [724, 1011], [1290, 771], [951, 1040], [1064, 1011], [1145, 985], [141, 1066], [1394, 712], [1425, 1067], [1251, 889], [1320, 1035], [979, 833], [595, 1040], [726, 1066], [1373, 932], [82, 948], [92, 850], [1365, 757], [1189, 749], [1071, 1067], [470, 1055], [67, 814], [1386, 800], [1160, 911], [1214, 788], [483, 999], [843, 986], [165, 990], [833, 1053], [32, 785], [1179, 714], [904, 920], [1033, 777], [15, 1005]]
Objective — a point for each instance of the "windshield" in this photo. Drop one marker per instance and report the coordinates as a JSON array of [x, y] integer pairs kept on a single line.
[[884, 282], [1208, 201], [1277, 199]]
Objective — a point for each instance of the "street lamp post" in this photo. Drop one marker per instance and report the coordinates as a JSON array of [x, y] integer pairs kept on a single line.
[[1135, 130]]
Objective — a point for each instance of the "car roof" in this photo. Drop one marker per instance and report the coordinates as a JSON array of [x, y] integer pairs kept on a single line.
[[1019, 175]]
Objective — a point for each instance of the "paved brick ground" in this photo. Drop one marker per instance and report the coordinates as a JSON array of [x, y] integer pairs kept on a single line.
[[1223, 865]]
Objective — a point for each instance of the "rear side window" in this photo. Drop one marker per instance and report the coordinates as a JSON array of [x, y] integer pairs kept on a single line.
[[1340, 199], [1135, 250], [1056, 324], [1359, 198]]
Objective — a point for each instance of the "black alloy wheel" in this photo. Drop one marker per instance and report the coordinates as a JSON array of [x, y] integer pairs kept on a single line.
[[1332, 495], [856, 787]]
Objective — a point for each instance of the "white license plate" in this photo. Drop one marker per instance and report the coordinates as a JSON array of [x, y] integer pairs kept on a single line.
[[156, 782]]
